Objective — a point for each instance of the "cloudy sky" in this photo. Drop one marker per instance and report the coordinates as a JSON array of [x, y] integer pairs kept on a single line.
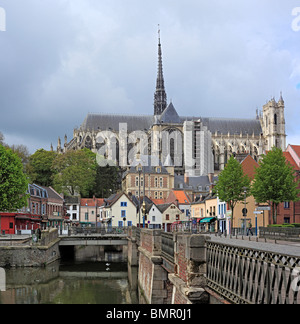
[[61, 59]]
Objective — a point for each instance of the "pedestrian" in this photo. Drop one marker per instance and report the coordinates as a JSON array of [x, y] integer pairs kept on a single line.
[[249, 230]]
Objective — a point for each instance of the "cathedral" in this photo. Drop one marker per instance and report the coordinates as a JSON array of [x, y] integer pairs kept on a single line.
[[197, 145]]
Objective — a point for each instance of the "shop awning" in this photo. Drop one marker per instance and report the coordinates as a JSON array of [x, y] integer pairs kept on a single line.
[[208, 220]]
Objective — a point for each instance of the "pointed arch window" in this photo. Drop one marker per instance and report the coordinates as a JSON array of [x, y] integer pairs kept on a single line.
[[275, 119]]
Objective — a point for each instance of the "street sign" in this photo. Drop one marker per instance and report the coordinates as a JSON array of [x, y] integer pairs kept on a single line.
[[263, 208], [257, 212]]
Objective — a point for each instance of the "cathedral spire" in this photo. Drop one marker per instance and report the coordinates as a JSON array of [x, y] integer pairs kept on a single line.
[[160, 96]]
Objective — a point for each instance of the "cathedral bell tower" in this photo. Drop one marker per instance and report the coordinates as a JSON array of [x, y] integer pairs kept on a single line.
[[160, 96], [273, 124]]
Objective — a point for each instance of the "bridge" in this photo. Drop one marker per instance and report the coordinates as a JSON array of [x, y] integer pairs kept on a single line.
[[185, 268], [111, 236]]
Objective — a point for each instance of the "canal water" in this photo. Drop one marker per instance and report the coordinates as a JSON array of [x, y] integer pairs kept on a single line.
[[95, 279]]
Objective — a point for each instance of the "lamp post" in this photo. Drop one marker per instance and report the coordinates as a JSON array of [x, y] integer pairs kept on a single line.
[[245, 211]]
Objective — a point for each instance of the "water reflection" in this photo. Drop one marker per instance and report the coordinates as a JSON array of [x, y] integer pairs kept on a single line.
[[73, 282]]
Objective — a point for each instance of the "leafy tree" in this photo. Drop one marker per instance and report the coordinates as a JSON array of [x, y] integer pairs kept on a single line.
[[23, 153], [75, 172], [107, 181], [40, 169], [1, 139], [274, 181], [231, 185], [13, 182]]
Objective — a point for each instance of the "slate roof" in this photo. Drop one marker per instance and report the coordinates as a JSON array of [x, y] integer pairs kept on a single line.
[[170, 116], [223, 126], [233, 126], [103, 122]]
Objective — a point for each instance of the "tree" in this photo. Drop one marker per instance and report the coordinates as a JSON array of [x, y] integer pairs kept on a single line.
[[275, 181], [13, 182], [107, 181], [23, 153], [40, 169], [75, 172], [231, 185]]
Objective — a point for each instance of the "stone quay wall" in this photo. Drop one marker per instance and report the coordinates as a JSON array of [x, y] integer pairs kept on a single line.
[[32, 254]]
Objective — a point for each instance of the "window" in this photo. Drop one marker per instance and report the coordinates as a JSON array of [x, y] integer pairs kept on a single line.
[[161, 182], [167, 217], [153, 218], [177, 217], [129, 223], [136, 181], [286, 204], [123, 204], [74, 207], [161, 195], [123, 213], [11, 225], [156, 183], [86, 216]]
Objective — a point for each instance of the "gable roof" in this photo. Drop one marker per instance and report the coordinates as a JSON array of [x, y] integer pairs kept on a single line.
[[91, 202], [115, 197], [179, 195], [249, 165], [52, 194], [296, 149], [290, 160], [170, 116], [164, 207]]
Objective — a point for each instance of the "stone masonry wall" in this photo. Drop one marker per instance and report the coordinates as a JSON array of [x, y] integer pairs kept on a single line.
[[34, 255]]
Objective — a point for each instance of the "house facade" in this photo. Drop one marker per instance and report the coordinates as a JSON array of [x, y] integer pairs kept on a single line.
[[119, 211], [170, 215], [156, 181], [90, 211]]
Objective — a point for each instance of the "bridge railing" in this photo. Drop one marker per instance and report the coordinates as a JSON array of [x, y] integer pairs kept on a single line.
[[251, 276], [98, 230]]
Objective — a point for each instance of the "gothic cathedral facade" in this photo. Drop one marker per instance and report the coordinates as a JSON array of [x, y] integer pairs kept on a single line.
[[201, 145]]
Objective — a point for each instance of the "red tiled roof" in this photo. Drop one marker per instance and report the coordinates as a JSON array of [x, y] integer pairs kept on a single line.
[[296, 148], [290, 159], [181, 196], [158, 201], [91, 202], [249, 165]]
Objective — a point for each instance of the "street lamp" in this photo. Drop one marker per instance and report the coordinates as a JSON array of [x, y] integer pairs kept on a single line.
[[245, 211]]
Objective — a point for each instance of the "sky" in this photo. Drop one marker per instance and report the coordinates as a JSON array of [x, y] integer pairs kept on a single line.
[[63, 59]]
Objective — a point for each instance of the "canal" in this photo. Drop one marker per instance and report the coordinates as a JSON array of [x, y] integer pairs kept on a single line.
[[91, 277]]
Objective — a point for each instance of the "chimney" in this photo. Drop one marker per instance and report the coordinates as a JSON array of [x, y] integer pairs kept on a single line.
[[211, 178], [186, 178]]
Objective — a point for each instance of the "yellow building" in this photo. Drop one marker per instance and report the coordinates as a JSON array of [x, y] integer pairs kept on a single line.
[[204, 212], [240, 222]]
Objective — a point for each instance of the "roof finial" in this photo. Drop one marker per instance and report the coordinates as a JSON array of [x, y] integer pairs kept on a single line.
[[159, 33]]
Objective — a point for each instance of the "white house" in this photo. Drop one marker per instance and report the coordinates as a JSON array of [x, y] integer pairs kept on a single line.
[[153, 216], [73, 208], [119, 211]]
